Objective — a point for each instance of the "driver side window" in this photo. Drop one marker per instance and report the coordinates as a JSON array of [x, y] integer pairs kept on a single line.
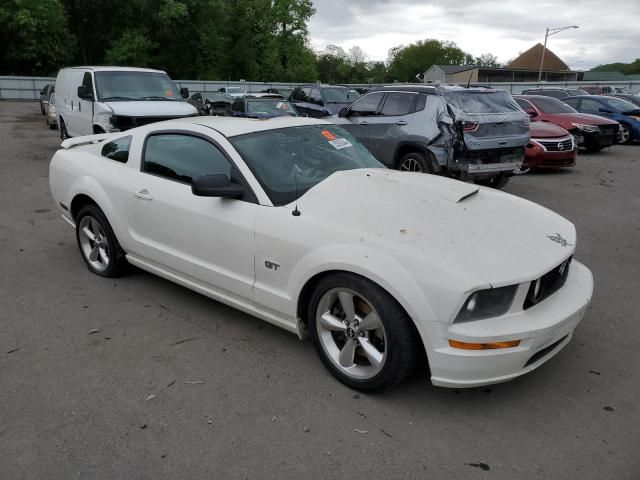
[[367, 105], [182, 157]]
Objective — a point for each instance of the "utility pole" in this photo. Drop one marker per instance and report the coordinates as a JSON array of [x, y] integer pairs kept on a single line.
[[548, 33]]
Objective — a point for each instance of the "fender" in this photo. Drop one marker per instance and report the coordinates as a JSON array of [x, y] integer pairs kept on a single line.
[[88, 186], [371, 264], [420, 146]]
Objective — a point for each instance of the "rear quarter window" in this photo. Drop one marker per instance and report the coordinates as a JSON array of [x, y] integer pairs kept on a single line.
[[117, 150]]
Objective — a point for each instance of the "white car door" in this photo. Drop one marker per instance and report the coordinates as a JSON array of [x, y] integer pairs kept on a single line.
[[206, 239]]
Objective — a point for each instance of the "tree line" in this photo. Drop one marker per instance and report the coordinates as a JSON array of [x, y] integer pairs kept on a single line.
[[255, 40]]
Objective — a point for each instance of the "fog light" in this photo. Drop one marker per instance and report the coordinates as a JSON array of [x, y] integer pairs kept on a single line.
[[483, 346]]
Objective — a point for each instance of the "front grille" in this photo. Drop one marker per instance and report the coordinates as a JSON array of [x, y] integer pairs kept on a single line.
[[122, 122], [565, 145], [609, 130], [545, 351], [547, 285]]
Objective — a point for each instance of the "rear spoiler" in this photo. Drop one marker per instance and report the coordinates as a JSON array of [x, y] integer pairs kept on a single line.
[[85, 140]]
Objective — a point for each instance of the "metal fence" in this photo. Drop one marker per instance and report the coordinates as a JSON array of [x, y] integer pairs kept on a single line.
[[28, 88]]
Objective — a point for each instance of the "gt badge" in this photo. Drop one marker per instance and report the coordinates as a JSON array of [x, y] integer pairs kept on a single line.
[[271, 265]]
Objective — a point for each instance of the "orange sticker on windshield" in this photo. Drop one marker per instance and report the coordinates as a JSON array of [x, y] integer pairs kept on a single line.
[[328, 135], [168, 93]]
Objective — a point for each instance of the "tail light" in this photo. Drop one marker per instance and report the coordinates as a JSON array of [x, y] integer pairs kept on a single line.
[[470, 126]]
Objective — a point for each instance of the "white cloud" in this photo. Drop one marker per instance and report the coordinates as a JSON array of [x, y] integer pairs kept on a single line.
[[482, 26]]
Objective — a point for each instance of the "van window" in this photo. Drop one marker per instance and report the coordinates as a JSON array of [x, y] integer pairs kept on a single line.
[[117, 150], [87, 81], [182, 157]]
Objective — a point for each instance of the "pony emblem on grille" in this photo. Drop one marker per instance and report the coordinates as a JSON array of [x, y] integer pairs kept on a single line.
[[559, 239]]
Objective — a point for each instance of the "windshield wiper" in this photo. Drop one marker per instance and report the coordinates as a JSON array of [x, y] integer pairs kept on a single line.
[[156, 97], [106, 99]]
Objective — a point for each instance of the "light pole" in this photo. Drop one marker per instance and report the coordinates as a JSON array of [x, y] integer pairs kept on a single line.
[[550, 31]]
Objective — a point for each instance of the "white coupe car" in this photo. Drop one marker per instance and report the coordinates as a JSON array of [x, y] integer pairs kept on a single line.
[[293, 221]]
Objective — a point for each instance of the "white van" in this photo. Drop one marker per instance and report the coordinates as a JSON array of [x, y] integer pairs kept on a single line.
[[111, 99]]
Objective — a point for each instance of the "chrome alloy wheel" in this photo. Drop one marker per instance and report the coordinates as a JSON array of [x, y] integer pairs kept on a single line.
[[351, 333], [94, 243], [410, 165], [625, 134]]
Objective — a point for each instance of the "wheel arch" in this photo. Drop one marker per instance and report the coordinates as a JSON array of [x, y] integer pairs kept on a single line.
[[410, 146], [383, 271]]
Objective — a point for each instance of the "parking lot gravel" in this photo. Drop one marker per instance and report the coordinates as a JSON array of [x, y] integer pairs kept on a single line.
[[141, 378]]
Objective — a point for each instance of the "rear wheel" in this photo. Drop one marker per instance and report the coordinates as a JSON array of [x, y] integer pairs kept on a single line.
[[497, 182], [415, 162], [98, 244], [363, 337]]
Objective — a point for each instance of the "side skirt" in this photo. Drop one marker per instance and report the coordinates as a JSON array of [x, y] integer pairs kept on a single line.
[[288, 325]]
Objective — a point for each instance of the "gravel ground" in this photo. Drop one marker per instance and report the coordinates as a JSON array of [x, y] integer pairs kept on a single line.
[[174, 385]]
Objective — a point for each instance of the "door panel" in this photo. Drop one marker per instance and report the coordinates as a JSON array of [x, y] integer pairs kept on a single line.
[[206, 239]]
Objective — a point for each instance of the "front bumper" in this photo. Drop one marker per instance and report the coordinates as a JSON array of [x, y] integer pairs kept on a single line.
[[537, 157], [543, 330]]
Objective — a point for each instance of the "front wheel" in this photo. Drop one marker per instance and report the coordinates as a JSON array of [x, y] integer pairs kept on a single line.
[[98, 244], [362, 335], [63, 130], [497, 182]]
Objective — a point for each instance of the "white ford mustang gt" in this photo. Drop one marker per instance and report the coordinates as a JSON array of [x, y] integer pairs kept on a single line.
[[293, 221]]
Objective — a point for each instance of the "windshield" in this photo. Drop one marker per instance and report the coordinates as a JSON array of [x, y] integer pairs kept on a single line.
[[338, 95], [621, 105], [481, 102], [552, 105], [272, 108], [218, 97], [304, 155], [132, 85]]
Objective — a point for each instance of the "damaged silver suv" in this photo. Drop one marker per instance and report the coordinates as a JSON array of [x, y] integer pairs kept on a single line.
[[473, 134]]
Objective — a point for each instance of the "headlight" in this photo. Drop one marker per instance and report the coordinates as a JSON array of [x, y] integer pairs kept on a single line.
[[488, 303], [586, 128]]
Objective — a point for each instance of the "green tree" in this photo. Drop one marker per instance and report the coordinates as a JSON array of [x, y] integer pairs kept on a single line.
[[133, 48], [486, 60], [34, 36], [407, 62]]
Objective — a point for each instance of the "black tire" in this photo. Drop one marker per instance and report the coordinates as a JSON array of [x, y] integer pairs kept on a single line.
[[63, 131], [497, 182], [52, 126], [116, 257], [401, 341], [415, 162], [42, 109]]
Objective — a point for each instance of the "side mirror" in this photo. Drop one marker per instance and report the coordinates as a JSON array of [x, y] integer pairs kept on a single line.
[[216, 186], [344, 112], [84, 93], [42, 92], [532, 113], [184, 92]]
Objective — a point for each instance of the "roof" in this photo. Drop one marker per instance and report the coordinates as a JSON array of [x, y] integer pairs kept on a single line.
[[404, 88], [234, 126], [530, 60], [117, 69], [455, 68]]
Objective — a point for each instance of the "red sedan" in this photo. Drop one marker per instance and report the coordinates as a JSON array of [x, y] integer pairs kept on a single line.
[[590, 131], [550, 147]]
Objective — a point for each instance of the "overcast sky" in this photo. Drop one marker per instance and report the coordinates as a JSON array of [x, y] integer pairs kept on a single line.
[[608, 32]]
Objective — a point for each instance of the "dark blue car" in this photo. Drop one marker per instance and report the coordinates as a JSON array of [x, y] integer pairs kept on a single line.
[[622, 111], [320, 101]]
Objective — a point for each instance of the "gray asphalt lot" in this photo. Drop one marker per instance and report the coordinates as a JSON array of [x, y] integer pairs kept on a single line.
[[118, 403]]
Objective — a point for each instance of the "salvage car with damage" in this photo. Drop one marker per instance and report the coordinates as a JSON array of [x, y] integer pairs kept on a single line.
[[472, 134], [293, 221]]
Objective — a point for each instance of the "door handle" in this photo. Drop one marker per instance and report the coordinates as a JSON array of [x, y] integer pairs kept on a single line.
[[401, 122], [364, 123], [143, 194]]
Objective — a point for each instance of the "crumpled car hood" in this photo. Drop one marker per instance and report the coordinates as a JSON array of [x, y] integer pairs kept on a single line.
[[452, 225]]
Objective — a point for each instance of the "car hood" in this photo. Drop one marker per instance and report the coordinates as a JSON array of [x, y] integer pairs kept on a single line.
[[547, 130], [449, 225], [582, 118], [152, 108]]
